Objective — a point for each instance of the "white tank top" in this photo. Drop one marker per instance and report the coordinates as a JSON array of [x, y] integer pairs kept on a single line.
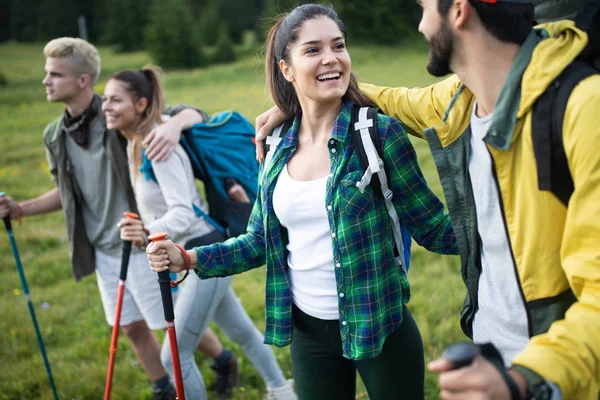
[[300, 207]]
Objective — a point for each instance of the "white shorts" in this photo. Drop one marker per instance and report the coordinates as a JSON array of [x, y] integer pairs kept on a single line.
[[141, 298]]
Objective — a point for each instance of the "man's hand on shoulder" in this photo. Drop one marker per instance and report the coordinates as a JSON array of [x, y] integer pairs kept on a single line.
[[161, 140], [265, 123]]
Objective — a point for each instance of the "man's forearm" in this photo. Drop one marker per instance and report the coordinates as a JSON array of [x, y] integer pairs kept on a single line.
[[185, 119], [48, 202]]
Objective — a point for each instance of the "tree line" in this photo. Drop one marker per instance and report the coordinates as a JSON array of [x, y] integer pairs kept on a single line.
[[176, 31]]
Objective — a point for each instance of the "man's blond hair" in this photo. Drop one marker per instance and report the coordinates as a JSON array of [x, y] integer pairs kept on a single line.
[[82, 56]]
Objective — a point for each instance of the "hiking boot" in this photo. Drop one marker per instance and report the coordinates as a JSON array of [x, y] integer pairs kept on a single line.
[[227, 378], [168, 393], [286, 392]]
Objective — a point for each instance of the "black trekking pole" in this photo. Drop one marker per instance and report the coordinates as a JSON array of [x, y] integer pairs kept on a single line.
[[164, 280], [13, 245]]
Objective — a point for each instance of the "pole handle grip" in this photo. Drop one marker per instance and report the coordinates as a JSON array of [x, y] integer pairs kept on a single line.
[[461, 354], [7, 223], [164, 281], [126, 249]]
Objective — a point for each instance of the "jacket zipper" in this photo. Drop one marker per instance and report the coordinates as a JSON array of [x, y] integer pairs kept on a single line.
[[512, 255]]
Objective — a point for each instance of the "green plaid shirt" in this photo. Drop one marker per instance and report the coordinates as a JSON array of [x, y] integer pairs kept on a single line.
[[372, 288]]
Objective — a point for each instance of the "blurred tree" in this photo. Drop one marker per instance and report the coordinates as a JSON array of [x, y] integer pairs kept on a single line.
[[379, 21], [23, 22], [225, 52], [122, 22], [272, 8], [171, 36], [240, 15], [125, 25], [209, 21], [5, 6], [56, 18]]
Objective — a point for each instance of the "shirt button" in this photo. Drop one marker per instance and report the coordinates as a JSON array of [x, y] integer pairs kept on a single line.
[[331, 175], [344, 323], [341, 294], [338, 265], [333, 150], [329, 207], [332, 141], [333, 234]]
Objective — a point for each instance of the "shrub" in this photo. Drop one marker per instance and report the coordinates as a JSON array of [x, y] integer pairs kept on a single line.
[[209, 23], [171, 36], [225, 53], [125, 25]]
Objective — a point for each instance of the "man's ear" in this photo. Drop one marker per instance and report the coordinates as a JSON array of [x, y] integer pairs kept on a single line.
[[459, 13], [84, 80], [287, 71], [141, 104]]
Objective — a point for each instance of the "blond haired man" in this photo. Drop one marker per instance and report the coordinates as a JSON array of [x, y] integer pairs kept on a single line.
[[89, 167]]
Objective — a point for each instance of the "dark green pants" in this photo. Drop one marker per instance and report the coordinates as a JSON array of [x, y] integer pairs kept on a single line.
[[321, 372]]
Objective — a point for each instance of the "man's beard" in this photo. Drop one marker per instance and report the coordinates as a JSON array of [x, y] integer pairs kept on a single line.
[[440, 51]]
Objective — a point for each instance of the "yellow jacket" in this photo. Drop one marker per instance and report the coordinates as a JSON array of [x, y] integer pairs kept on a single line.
[[556, 250]]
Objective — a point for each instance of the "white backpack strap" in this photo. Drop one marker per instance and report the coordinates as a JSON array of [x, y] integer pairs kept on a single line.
[[376, 166], [388, 196], [272, 142]]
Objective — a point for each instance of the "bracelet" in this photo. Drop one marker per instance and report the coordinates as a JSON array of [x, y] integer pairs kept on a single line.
[[187, 261]]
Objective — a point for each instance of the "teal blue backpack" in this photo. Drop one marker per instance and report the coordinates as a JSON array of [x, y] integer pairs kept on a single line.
[[221, 151]]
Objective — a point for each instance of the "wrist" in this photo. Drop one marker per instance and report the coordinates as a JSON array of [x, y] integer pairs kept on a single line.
[[520, 381], [143, 242], [17, 213], [536, 387], [193, 259], [185, 256]]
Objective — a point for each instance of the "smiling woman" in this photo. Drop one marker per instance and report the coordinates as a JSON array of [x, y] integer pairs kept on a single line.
[[334, 289]]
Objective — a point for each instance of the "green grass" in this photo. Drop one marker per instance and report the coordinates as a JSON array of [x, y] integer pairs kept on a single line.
[[72, 322]]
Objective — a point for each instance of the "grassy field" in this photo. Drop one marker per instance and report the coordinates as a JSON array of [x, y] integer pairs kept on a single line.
[[70, 314]]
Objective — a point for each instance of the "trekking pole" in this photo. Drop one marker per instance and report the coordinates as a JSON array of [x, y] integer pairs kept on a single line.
[[164, 280], [126, 247], [13, 245]]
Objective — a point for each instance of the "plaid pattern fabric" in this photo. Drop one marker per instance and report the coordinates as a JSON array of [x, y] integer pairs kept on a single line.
[[372, 288]]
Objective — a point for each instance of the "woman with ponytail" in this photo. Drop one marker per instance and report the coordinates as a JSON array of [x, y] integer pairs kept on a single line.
[[335, 291], [166, 196]]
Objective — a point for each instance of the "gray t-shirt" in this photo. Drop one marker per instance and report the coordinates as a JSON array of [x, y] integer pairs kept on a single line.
[[103, 198], [501, 317]]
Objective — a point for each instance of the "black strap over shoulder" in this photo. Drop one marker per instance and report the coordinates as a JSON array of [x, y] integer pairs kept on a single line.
[[547, 128], [360, 148]]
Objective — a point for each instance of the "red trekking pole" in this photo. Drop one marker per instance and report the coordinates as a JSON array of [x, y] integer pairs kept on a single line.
[[164, 280], [115, 332]]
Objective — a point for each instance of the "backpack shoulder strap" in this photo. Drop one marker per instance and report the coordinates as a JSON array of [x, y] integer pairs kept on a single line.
[[272, 142], [369, 150], [363, 123], [547, 128]]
